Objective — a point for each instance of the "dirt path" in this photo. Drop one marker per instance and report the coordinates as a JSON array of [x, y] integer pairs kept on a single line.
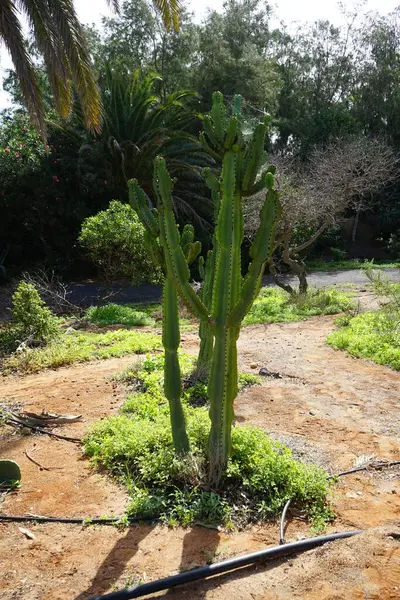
[[330, 408]]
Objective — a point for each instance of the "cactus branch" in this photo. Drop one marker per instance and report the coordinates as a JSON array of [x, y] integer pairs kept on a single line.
[[172, 372]]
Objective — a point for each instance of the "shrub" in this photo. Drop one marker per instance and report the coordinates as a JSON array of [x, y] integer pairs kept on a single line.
[[137, 448], [31, 315], [114, 242]]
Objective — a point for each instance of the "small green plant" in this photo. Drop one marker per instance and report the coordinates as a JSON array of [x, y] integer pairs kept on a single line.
[[31, 315], [275, 306], [118, 314], [114, 242]]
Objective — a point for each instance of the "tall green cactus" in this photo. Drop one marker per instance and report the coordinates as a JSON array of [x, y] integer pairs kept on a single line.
[[154, 232], [226, 296]]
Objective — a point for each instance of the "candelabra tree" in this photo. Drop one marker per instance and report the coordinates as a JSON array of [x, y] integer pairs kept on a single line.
[[227, 296]]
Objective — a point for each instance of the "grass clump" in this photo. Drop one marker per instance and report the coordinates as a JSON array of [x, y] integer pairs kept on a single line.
[[137, 448], [372, 335], [81, 347], [118, 314], [277, 306]]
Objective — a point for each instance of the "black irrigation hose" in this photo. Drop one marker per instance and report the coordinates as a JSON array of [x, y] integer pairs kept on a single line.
[[390, 463], [283, 519], [84, 521], [355, 470], [224, 566]]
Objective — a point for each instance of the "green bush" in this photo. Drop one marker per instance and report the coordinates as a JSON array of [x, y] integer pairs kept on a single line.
[[137, 447], [117, 314], [275, 305], [31, 315], [114, 242], [371, 335]]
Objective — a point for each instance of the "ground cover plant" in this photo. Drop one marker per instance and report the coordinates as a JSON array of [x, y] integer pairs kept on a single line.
[[118, 314], [136, 446], [374, 335], [79, 347], [277, 306]]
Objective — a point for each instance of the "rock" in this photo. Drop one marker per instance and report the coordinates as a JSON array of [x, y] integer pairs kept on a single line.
[[253, 365], [264, 372]]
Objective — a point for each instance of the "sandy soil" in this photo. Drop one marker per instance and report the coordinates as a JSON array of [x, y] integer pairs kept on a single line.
[[330, 408]]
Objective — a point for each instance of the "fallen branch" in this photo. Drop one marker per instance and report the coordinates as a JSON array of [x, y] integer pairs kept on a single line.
[[41, 467], [40, 430]]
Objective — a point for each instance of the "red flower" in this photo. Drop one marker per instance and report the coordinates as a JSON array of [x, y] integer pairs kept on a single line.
[[7, 150], [105, 182], [56, 179]]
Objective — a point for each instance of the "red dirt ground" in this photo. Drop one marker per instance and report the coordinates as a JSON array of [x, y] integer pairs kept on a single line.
[[328, 407]]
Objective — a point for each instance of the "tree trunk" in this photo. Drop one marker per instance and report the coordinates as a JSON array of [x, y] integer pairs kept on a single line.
[[355, 225], [279, 282], [299, 268]]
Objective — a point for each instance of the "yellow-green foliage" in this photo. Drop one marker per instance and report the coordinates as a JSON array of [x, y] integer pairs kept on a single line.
[[276, 306], [373, 335], [137, 447], [79, 347]]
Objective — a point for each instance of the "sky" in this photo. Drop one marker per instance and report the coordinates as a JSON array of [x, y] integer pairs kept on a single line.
[[289, 11]]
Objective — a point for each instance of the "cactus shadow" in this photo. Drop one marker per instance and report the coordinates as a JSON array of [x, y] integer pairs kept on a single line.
[[115, 563]]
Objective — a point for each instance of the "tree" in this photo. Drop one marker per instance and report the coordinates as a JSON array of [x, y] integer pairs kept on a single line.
[[60, 39], [317, 64], [339, 176], [136, 39], [233, 55], [138, 125]]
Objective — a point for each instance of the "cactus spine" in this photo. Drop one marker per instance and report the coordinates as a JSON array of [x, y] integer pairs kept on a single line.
[[226, 297]]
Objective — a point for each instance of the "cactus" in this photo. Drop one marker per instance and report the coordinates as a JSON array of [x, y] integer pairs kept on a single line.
[[154, 233], [226, 296], [9, 472]]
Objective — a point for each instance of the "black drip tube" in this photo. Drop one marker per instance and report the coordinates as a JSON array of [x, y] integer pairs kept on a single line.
[[224, 566], [81, 521]]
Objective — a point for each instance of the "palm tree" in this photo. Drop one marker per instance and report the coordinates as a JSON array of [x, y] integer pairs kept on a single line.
[[60, 39], [138, 126]]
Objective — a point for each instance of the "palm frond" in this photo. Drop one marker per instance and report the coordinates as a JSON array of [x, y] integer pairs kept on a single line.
[[12, 36], [72, 36], [170, 11]]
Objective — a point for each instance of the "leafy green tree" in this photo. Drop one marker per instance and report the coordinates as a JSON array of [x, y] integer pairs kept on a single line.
[[316, 64], [234, 55]]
